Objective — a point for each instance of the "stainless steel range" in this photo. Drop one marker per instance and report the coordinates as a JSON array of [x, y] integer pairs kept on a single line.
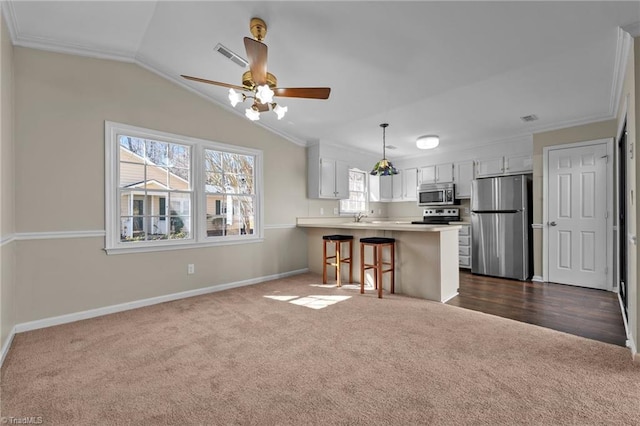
[[438, 216]]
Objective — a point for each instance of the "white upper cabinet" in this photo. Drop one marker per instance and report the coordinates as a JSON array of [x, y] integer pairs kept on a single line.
[[410, 184], [397, 193], [504, 165], [428, 174], [444, 173], [490, 167], [518, 164], [327, 177], [386, 188], [439, 173], [463, 178]]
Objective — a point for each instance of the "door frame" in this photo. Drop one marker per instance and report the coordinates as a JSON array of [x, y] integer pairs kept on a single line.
[[610, 285]]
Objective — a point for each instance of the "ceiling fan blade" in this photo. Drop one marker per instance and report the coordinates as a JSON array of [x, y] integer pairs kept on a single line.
[[303, 92], [217, 83], [257, 54]]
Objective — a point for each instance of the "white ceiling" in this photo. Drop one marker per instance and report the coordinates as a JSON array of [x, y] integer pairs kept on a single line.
[[466, 71]]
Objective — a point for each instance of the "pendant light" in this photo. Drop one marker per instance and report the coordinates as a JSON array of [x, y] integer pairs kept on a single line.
[[384, 166]]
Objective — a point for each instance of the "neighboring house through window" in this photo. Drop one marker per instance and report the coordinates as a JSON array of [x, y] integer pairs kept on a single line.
[[168, 191], [357, 201]]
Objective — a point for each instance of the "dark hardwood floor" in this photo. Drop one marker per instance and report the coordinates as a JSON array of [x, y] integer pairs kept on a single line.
[[594, 314]]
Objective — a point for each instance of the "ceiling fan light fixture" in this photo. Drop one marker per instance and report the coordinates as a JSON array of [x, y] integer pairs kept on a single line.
[[280, 110], [428, 141], [252, 113], [264, 94], [235, 97]]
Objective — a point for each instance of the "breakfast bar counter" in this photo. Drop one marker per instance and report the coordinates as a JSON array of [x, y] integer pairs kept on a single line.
[[426, 259]]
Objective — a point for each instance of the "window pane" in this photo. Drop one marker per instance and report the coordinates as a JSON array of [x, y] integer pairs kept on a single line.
[[213, 183], [238, 183], [179, 178], [131, 175], [179, 204], [133, 149], [158, 229], [157, 153], [237, 163], [240, 215], [180, 227], [180, 156], [216, 215], [212, 161]]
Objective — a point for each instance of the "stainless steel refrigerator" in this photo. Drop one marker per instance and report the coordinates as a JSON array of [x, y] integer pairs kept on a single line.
[[501, 235]]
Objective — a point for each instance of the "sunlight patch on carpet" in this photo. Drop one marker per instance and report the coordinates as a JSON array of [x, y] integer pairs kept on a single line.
[[312, 301]]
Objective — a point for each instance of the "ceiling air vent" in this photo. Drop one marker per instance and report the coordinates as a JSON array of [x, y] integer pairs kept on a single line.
[[529, 118], [231, 55], [392, 147]]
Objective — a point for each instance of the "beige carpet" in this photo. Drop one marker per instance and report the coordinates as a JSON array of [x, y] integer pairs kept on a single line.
[[238, 357]]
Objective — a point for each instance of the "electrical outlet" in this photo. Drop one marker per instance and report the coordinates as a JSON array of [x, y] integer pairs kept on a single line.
[[191, 269], [335, 210], [466, 211], [321, 211]]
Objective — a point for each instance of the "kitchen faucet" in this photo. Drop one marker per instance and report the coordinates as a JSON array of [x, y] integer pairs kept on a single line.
[[358, 216]]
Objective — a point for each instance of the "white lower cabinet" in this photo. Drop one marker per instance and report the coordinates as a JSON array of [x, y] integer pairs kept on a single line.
[[464, 246]]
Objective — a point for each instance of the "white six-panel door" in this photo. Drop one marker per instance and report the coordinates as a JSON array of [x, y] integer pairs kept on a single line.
[[576, 216]]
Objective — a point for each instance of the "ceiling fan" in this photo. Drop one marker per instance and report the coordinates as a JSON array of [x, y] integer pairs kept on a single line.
[[260, 85]]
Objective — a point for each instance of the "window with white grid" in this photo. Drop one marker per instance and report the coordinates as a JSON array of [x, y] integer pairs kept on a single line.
[[357, 201]]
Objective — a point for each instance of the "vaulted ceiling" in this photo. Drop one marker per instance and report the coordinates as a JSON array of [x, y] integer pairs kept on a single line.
[[466, 71]]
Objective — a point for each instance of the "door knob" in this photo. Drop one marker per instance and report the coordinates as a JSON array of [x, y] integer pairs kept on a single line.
[[552, 224]]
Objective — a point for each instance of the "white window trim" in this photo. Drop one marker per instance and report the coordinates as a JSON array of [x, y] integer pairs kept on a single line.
[[113, 245]]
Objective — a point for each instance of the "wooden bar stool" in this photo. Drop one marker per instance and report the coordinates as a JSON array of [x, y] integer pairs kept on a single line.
[[337, 259], [378, 244]]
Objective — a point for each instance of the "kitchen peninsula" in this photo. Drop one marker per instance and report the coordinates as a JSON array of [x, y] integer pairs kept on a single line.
[[426, 255]]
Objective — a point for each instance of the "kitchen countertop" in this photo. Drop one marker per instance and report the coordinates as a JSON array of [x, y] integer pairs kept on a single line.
[[385, 225]]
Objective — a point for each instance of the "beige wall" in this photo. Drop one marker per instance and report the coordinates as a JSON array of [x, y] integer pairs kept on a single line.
[[61, 103], [586, 132], [7, 251]]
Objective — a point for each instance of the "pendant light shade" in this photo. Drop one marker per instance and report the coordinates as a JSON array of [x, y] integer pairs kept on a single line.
[[384, 166]]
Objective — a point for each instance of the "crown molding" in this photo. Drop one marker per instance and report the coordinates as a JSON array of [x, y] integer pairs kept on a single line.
[[42, 43], [572, 123], [9, 14], [633, 29], [623, 49]]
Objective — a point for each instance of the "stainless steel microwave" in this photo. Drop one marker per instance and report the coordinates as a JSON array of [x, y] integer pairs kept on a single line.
[[436, 194]]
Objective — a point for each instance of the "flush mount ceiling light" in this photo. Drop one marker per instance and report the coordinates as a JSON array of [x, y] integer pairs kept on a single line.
[[384, 166], [428, 141]]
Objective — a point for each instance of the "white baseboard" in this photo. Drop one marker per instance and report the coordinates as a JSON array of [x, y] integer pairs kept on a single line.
[[629, 343], [450, 297], [92, 313], [537, 279], [6, 345]]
